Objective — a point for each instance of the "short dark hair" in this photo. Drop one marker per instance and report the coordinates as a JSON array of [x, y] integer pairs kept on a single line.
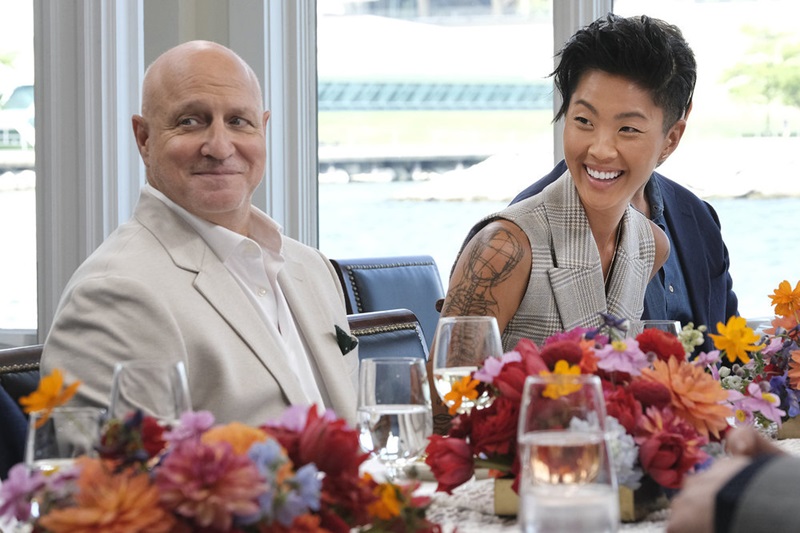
[[648, 51]]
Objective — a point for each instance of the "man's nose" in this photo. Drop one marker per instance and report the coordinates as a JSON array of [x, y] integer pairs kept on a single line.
[[218, 142]]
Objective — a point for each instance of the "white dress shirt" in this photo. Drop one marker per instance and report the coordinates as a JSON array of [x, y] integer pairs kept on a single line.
[[254, 262]]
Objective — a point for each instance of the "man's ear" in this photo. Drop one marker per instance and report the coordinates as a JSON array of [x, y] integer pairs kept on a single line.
[[141, 134]]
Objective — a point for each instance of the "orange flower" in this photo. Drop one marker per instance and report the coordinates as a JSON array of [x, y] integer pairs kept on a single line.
[[785, 299], [736, 339], [794, 369], [589, 360], [696, 396], [387, 505], [124, 502], [238, 435], [49, 395], [464, 388]]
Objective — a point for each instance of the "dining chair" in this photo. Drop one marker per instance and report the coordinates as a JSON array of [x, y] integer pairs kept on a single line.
[[19, 370], [19, 376], [399, 282], [389, 333]]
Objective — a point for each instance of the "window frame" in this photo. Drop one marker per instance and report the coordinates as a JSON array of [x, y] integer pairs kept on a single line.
[[90, 57]]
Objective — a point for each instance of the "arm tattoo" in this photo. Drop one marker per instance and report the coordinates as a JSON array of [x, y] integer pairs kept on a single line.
[[473, 294]]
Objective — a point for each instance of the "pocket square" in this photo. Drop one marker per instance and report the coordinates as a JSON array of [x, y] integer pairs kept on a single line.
[[346, 341]]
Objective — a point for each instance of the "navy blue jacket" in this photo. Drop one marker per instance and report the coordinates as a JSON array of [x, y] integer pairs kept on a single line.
[[696, 238]]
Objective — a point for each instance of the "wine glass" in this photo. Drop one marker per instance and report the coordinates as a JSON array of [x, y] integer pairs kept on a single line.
[[568, 480], [56, 438], [394, 410], [638, 326], [158, 388], [460, 345]]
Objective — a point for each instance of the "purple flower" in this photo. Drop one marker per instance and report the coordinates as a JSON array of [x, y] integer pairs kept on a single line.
[[192, 424], [304, 496], [294, 418], [789, 398], [709, 360], [622, 355], [766, 403], [16, 492], [493, 365]]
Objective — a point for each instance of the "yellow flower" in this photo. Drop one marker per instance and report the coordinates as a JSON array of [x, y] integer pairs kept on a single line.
[[464, 388], [736, 339], [387, 505], [561, 388], [785, 300], [49, 395]]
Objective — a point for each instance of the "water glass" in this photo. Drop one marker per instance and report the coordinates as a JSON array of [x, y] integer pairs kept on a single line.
[[638, 326], [394, 411], [568, 482], [57, 438], [158, 388], [460, 345]]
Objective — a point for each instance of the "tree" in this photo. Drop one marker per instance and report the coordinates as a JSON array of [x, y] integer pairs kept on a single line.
[[770, 70]]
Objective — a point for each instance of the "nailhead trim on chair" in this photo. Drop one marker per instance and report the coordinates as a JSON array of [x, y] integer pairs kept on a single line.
[[350, 275], [18, 367], [385, 329]]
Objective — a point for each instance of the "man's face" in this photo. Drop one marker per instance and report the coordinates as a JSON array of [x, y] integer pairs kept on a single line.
[[613, 139], [202, 136]]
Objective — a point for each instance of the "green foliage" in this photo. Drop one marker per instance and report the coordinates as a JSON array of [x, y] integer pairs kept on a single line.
[[770, 70]]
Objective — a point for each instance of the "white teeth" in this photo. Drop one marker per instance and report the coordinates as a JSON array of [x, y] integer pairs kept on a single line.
[[602, 175]]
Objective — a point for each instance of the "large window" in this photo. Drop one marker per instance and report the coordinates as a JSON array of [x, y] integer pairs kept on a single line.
[[431, 116], [742, 144], [17, 176]]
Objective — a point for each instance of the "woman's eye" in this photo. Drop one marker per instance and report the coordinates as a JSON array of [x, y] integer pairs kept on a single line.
[[629, 129], [582, 120]]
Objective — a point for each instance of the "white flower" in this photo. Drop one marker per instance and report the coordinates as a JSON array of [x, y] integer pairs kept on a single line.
[[624, 454]]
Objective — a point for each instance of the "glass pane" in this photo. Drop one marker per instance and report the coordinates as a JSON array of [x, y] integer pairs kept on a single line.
[[432, 114], [741, 147], [17, 177]]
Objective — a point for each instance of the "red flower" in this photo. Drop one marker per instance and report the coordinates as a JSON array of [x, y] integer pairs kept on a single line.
[[152, 436], [569, 351], [450, 460], [511, 381], [668, 447], [622, 405], [661, 343], [650, 393], [494, 429], [531, 359]]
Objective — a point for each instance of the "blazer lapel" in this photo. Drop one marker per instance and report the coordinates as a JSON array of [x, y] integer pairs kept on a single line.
[[576, 276], [317, 328], [219, 288]]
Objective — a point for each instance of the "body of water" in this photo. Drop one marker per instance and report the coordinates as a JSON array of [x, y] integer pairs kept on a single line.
[[367, 220]]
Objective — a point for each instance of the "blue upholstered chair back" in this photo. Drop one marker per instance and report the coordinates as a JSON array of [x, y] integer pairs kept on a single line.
[[19, 376], [383, 283], [391, 333]]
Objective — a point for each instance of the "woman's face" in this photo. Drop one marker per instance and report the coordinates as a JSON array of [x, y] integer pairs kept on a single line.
[[613, 139]]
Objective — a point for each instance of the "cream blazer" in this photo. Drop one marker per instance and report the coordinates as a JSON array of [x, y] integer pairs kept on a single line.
[[154, 289]]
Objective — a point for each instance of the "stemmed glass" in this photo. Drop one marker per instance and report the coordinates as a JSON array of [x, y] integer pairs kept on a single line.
[[460, 345], [56, 438], [638, 326], [568, 480], [394, 410], [158, 388]]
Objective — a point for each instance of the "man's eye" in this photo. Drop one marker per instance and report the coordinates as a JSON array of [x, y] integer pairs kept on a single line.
[[188, 121]]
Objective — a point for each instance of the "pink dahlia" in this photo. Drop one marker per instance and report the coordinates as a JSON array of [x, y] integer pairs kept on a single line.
[[209, 483]]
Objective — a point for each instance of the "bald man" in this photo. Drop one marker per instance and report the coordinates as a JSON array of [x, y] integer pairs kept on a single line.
[[199, 274]]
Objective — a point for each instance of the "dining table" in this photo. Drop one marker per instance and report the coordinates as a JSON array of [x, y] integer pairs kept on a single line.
[[470, 507]]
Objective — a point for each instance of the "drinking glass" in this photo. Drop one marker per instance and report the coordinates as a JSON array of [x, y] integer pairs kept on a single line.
[[460, 345], [57, 438], [638, 326], [158, 388], [568, 482], [394, 410]]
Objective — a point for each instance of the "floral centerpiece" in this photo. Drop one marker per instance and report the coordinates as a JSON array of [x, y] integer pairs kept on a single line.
[[763, 372], [300, 473], [667, 410]]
